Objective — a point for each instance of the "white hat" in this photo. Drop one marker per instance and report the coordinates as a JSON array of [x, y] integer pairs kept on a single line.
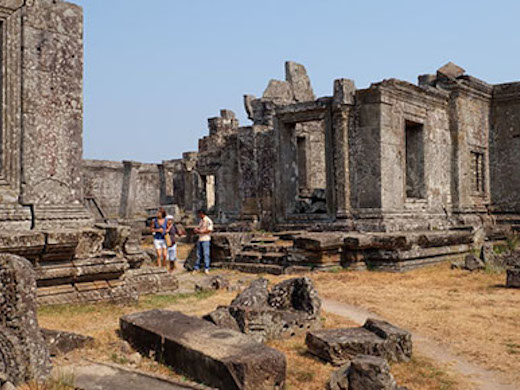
[[169, 217]]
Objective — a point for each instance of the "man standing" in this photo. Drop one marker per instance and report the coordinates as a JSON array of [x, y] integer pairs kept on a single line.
[[203, 244]]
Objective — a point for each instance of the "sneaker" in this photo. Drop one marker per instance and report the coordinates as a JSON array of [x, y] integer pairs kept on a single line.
[[206, 271]]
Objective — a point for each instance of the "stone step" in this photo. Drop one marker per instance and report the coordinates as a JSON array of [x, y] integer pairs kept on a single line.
[[263, 248], [252, 268], [262, 258], [263, 239]]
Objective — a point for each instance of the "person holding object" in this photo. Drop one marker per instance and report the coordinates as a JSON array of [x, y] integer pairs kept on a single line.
[[204, 231], [158, 229]]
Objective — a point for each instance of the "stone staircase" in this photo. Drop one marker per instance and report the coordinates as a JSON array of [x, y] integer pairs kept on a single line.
[[512, 220], [264, 253]]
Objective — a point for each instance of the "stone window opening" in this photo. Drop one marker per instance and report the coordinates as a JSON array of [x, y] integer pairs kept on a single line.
[[478, 172], [414, 140]]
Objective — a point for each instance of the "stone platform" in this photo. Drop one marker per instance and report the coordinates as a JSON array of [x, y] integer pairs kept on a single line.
[[86, 265], [300, 251], [222, 358]]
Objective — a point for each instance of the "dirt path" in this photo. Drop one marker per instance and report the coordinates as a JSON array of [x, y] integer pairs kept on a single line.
[[484, 379]]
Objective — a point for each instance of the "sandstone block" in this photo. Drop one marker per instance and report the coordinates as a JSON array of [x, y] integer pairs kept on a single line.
[[222, 358], [279, 92], [473, 263], [23, 352], [451, 70], [344, 91], [212, 283], [513, 278], [398, 341], [338, 346], [370, 373], [296, 75]]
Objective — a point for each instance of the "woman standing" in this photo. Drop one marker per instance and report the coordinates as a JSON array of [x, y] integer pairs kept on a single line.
[[158, 229]]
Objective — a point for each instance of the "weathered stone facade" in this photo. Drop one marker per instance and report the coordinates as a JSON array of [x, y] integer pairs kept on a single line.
[[43, 213], [391, 157], [40, 172]]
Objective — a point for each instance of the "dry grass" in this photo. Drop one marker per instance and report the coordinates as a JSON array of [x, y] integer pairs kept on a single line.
[[472, 312], [304, 371]]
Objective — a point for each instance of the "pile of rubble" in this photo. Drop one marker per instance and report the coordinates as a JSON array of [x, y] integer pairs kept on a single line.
[[225, 349], [289, 308]]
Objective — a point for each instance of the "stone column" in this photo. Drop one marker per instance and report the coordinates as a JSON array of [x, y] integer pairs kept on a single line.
[[342, 110]]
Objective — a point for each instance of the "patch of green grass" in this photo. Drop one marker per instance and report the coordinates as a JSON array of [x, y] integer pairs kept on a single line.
[[59, 381], [513, 242], [513, 349], [146, 302], [499, 249], [162, 301], [493, 269], [118, 359]]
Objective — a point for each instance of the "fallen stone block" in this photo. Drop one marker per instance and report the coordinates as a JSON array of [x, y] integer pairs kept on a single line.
[[222, 358], [513, 278], [375, 338], [339, 378], [339, 346], [60, 342], [371, 373], [256, 295], [212, 283], [473, 263], [398, 344], [223, 318]]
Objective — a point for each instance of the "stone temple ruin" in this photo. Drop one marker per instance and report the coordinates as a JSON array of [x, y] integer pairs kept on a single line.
[[43, 215], [393, 176]]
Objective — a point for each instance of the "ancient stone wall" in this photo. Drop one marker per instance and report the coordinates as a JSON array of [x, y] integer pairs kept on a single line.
[[103, 181], [504, 148], [126, 190]]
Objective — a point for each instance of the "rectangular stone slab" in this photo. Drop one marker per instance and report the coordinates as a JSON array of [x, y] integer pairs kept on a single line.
[[338, 346], [219, 357]]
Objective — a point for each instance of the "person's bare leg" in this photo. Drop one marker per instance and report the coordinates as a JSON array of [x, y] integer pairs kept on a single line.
[[165, 256], [159, 254]]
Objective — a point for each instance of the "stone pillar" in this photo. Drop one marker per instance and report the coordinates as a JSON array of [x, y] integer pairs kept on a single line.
[[52, 113], [13, 215], [342, 111], [128, 194]]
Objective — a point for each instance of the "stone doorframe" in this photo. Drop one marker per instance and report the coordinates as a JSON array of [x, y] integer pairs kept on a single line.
[[286, 175]]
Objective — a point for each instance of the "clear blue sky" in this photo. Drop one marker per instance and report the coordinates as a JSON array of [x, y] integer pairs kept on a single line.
[[155, 70]]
